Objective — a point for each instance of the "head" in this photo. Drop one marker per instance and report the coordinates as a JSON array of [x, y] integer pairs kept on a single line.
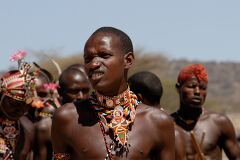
[[77, 66], [13, 95], [108, 55], [147, 86], [41, 79], [192, 86], [73, 85]]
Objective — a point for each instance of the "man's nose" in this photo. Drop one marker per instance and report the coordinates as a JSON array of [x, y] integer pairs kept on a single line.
[[197, 90], [80, 95], [95, 62]]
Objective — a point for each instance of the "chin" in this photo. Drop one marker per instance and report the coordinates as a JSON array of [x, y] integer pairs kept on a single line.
[[100, 86], [197, 106]]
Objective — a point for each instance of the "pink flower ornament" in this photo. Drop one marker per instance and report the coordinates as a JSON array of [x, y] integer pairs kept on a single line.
[[19, 55], [50, 86]]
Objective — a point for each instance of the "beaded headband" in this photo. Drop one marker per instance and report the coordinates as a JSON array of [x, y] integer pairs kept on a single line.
[[18, 84]]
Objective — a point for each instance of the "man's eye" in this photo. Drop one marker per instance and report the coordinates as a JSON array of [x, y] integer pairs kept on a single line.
[[85, 90], [106, 55], [203, 87], [73, 91], [86, 60]]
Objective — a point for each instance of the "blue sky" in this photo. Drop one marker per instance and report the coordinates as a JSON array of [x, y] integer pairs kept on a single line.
[[196, 30]]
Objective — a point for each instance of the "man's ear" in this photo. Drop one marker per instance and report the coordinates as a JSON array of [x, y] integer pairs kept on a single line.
[[177, 87], [128, 60], [139, 97]]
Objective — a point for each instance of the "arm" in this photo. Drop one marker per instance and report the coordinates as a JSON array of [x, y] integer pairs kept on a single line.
[[166, 146], [228, 140], [42, 139], [28, 133], [61, 127]]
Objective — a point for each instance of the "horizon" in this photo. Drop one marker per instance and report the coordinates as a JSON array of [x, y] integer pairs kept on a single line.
[[203, 31]]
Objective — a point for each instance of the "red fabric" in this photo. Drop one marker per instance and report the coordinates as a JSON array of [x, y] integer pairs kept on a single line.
[[197, 70]]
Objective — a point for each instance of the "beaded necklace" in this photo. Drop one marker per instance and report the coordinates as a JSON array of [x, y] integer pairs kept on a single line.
[[118, 114], [9, 133]]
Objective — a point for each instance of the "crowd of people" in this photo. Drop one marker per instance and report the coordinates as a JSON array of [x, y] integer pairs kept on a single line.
[[94, 111]]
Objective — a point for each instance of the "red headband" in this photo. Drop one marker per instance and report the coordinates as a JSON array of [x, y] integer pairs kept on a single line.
[[197, 70]]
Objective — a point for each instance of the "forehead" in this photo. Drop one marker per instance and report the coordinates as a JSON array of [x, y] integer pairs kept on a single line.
[[102, 41], [75, 78], [193, 79]]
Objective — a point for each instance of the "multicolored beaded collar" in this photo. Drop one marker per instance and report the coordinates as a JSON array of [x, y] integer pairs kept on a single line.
[[117, 113]]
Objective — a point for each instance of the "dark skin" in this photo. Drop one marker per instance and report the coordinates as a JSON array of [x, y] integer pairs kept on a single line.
[[180, 153], [13, 110], [75, 127], [74, 85], [42, 148], [217, 129]]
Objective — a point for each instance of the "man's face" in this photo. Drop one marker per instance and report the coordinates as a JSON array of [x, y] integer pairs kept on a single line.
[[76, 86], [13, 109], [104, 62], [193, 92], [42, 92]]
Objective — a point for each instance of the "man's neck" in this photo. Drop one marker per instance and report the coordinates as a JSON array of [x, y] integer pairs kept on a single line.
[[189, 113], [113, 91], [112, 101]]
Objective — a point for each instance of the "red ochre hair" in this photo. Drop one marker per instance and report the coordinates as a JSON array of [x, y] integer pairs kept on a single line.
[[197, 70]]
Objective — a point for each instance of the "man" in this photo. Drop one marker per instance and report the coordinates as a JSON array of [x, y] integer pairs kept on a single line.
[[148, 87], [16, 92], [111, 124], [73, 84], [205, 133], [45, 103]]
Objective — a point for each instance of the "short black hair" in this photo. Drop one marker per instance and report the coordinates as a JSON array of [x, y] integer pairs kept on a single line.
[[148, 85], [69, 71], [124, 38]]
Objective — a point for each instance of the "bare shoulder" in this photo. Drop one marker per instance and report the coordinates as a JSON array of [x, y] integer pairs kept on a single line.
[[27, 124], [65, 113], [44, 124], [159, 117], [218, 118]]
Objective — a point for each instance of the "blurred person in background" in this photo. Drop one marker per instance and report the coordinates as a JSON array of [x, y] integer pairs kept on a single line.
[[73, 84], [16, 92], [45, 102], [148, 88], [206, 133]]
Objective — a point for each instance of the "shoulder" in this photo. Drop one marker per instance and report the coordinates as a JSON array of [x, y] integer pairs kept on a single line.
[[217, 118], [44, 124], [158, 117], [65, 113], [26, 123], [220, 120]]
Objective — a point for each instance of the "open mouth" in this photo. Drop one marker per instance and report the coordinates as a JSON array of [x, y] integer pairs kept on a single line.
[[96, 75]]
